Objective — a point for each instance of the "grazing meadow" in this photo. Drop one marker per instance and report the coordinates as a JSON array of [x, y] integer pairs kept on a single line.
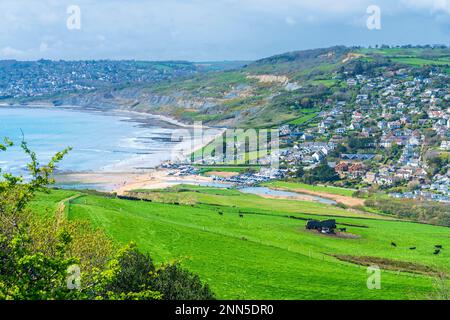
[[248, 247]]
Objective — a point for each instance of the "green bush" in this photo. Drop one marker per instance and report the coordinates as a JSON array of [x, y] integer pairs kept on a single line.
[[422, 211], [177, 284], [37, 252]]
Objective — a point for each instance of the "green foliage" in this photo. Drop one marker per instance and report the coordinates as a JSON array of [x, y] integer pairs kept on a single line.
[[356, 144], [438, 164], [322, 173], [28, 275], [176, 283], [278, 259], [37, 251], [132, 270], [304, 118], [423, 211], [393, 153]]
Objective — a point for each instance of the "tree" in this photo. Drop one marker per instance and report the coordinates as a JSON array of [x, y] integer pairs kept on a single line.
[[322, 173], [176, 283], [36, 252]]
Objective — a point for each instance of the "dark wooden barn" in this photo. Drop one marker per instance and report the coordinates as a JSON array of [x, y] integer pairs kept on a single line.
[[326, 226]]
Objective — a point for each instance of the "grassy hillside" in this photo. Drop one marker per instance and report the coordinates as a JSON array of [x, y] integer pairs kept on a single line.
[[416, 57], [266, 254], [291, 87], [287, 88]]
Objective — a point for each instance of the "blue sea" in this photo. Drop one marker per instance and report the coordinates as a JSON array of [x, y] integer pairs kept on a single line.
[[100, 140]]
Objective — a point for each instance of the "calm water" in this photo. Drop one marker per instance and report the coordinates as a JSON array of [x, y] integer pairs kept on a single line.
[[288, 194], [100, 141]]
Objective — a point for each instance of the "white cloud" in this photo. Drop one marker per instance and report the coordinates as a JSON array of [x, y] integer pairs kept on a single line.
[[43, 47], [208, 30], [9, 52], [434, 6], [290, 21]]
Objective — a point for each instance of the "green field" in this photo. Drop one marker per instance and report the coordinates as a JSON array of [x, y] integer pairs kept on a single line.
[[266, 254], [246, 202], [304, 118], [417, 57], [295, 186], [421, 62], [325, 82]]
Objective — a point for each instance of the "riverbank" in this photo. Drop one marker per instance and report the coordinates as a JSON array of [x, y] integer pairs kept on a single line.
[[338, 195]]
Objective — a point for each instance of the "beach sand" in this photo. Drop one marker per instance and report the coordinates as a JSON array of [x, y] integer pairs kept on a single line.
[[134, 172], [121, 182]]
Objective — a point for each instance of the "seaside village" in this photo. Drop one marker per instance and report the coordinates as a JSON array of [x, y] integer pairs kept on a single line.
[[389, 135]]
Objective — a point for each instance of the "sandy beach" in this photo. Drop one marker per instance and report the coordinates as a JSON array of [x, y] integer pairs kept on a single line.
[[121, 182], [134, 172]]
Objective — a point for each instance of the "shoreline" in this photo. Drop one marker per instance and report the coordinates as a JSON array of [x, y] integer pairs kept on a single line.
[[162, 118], [131, 173], [121, 183]]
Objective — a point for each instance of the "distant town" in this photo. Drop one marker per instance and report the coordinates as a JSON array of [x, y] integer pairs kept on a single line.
[[391, 135], [374, 124], [45, 78]]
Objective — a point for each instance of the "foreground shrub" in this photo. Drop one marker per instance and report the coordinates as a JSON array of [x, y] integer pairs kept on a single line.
[[176, 283], [37, 253]]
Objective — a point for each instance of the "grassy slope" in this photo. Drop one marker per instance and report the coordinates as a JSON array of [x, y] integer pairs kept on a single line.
[[303, 118], [250, 202], [294, 186], [416, 57], [277, 259]]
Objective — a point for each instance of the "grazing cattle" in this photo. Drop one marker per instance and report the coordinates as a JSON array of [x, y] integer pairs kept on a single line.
[[313, 224], [221, 213], [326, 226], [437, 251], [342, 229], [393, 244], [438, 246], [412, 248], [241, 215]]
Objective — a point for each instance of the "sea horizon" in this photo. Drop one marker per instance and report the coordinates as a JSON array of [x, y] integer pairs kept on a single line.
[[125, 141]]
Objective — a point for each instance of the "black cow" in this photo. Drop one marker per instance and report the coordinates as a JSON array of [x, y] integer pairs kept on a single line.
[[438, 246], [221, 213], [343, 229], [318, 225], [241, 215], [437, 251], [393, 244], [412, 248]]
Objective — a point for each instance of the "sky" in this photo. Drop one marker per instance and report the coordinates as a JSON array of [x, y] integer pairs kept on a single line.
[[209, 30]]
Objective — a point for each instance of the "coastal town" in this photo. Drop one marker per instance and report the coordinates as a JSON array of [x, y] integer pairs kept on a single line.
[[393, 135], [46, 78], [225, 159], [368, 125]]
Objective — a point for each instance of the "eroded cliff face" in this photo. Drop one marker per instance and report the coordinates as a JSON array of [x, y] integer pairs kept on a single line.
[[179, 101], [142, 101]]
